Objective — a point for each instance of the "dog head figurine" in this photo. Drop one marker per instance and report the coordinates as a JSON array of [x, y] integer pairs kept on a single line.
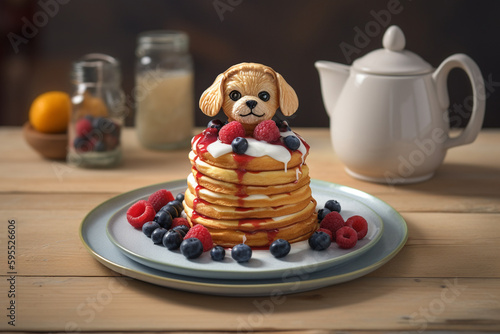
[[249, 93]]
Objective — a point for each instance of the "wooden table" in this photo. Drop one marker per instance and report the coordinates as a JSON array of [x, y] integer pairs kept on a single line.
[[446, 278]]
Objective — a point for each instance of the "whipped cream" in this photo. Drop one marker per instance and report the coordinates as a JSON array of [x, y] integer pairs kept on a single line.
[[257, 148], [298, 171]]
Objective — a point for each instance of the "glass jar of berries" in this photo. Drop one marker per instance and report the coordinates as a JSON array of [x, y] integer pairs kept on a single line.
[[98, 111]]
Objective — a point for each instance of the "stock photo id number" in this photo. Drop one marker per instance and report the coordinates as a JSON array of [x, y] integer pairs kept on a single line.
[[11, 273]]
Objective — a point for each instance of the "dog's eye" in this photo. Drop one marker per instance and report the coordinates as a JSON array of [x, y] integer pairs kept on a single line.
[[235, 95], [264, 96]]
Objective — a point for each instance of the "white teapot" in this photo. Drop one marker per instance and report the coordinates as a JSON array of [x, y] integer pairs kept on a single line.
[[388, 111]]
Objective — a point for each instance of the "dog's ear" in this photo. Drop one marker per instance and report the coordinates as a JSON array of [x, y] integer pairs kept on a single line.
[[212, 98], [289, 102]]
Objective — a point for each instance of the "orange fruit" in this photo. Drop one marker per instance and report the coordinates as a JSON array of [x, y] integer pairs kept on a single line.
[[50, 112], [90, 105], [95, 106]]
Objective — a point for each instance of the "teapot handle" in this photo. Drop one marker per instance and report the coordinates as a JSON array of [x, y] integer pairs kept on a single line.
[[440, 77]]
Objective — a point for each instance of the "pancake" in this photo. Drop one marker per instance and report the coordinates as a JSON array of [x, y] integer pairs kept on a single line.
[[230, 212], [248, 201], [252, 198], [254, 178], [298, 231], [250, 224], [241, 189]]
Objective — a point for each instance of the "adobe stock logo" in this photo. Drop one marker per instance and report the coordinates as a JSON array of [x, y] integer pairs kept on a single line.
[[372, 29], [48, 9], [222, 6]]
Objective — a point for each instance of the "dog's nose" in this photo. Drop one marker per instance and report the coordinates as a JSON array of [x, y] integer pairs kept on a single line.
[[251, 104]]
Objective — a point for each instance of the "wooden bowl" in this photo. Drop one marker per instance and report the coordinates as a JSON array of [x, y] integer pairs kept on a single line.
[[49, 145]]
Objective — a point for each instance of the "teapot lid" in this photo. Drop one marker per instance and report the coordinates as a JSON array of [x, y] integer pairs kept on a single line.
[[392, 59]]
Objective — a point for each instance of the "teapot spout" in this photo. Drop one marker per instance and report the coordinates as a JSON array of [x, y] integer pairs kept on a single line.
[[332, 78]]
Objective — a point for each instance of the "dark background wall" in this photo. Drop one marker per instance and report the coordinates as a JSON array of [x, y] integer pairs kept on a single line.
[[288, 35]]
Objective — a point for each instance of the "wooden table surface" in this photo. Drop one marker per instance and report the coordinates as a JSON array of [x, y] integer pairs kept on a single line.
[[446, 277]]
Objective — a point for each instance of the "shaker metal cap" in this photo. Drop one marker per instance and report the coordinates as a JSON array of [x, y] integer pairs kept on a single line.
[[393, 59]]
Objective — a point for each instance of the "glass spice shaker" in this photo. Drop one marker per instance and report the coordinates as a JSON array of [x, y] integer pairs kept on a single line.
[[98, 112], [164, 93]]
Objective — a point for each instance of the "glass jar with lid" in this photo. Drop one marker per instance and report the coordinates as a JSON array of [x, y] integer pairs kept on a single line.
[[98, 111], [164, 94]]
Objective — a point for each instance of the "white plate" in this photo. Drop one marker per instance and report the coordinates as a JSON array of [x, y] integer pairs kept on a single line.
[[134, 244], [94, 238]]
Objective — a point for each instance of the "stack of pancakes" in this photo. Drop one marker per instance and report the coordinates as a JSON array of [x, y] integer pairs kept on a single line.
[[250, 198]]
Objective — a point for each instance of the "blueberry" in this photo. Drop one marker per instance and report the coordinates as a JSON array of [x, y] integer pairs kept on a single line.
[[322, 213], [172, 210], [217, 253], [179, 197], [110, 127], [183, 229], [215, 123], [105, 125], [332, 205], [172, 239], [280, 248], [78, 142], [282, 125], [191, 248], [174, 207], [100, 146], [97, 122], [292, 142], [158, 234], [178, 205], [241, 253], [319, 241], [82, 144], [149, 227], [239, 145], [163, 218]]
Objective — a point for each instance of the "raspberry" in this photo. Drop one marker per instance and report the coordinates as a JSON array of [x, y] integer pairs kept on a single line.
[[267, 131], [179, 221], [160, 198], [327, 231], [230, 131], [346, 237], [83, 126], [140, 213], [200, 232], [332, 221], [359, 224]]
